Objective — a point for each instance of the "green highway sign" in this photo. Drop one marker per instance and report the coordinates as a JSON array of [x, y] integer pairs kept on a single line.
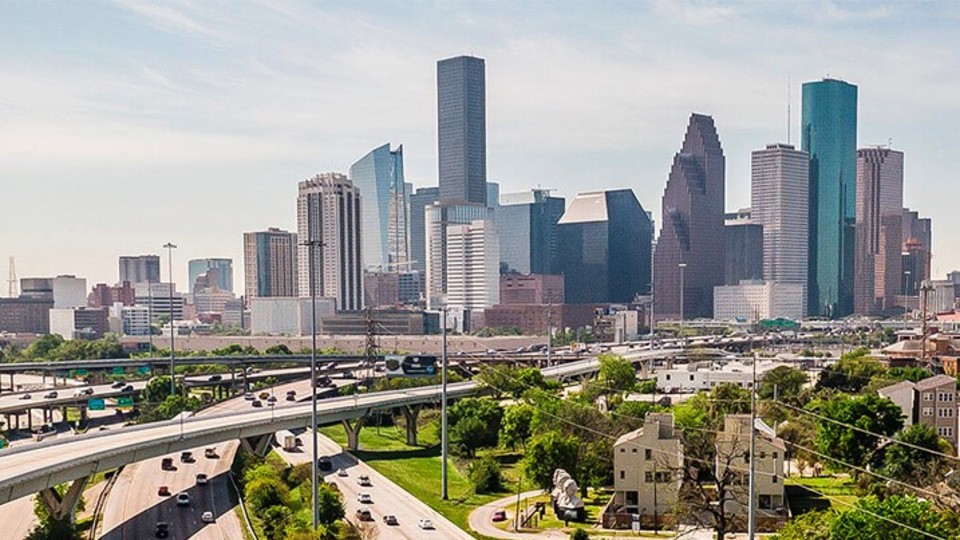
[[96, 404], [143, 370], [125, 401], [81, 372], [118, 370]]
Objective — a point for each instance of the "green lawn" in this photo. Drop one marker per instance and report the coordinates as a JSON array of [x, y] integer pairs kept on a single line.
[[841, 489], [417, 469]]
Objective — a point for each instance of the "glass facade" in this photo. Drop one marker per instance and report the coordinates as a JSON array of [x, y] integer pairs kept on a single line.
[[198, 267], [461, 130], [528, 231], [418, 204], [379, 177], [829, 135]]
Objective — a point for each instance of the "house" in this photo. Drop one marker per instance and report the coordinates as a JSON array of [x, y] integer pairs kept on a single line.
[[932, 401], [733, 456]]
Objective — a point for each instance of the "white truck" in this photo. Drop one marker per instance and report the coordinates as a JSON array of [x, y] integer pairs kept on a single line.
[[286, 440]]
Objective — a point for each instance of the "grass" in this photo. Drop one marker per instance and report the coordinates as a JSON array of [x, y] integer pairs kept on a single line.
[[416, 469], [836, 490]]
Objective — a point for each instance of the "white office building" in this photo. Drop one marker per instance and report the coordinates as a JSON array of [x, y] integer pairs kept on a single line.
[[287, 315], [752, 301], [158, 299], [473, 266]]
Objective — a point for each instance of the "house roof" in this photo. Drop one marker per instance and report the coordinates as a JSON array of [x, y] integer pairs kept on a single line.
[[935, 381]]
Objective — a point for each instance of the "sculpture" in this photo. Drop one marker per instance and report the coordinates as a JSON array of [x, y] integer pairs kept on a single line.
[[566, 503]]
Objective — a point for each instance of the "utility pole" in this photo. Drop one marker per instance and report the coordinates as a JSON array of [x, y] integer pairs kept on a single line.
[[550, 332], [753, 453], [311, 249], [371, 348], [443, 407], [170, 247]]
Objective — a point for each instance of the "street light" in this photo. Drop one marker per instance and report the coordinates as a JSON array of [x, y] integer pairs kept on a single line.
[[312, 245], [681, 266], [443, 407], [169, 246]]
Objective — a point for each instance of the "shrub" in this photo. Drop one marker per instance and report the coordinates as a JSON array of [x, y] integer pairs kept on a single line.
[[485, 475]]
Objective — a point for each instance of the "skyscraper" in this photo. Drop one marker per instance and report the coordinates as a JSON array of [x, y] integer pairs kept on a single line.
[[418, 203], [198, 267], [527, 223], [603, 248], [461, 129], [779, 193], [269, 263], [692, 232], [829, 135], [879, 212], [473, 267], [437, 218], [917, 245], [379, 177], [328, 210], [743, 239], [139, 269]]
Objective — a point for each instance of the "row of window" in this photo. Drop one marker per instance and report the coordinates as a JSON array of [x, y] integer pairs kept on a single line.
[[941, 396], [941, 413]]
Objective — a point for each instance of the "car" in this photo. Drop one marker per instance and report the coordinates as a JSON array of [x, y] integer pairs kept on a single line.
[[272, 399], [256, 403], [26, 396], [499, 515], [323, 380], [202, 479], [167, 464], [364, 480], [210, 453], [324, 463], [50, 395], [215, 378], [186, 457], [330, 365], [183, 499], [425, 523], [390, 519], [83, 392], [264, 395], [364, 498], [364, 515], [118, 384], [127, 388], [163, 491], [162, 530], [207, 517], [342, 472], [249, 397], [291, 397]]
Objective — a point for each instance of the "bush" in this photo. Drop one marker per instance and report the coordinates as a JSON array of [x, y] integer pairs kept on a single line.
[[579, 534], [485, 475]]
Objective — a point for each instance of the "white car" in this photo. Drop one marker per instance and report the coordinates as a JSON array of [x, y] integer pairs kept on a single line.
[[342, 472], [363, 480], [207, 517], [364, 498], [425, 524], [183, 499]]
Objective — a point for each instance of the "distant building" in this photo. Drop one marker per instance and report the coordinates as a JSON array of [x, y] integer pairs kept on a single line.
[[389, 321], [743, 258], [270, 263], [692, 232], [287, 316], [603, 250], [531, 289], [473, 266], [158, 299], [419, 201], [134, 320], [438, 218], [200, 267], [757, 300], [829, 135], [25, 315], [528, 231], [932, 401], [879, 212], [734, 456], [139, 269], [384, 207], [79, 323], [104, 295], [461, 130], [392, 288], [697, 376], [534, 319], [646, 474], [329, 210], [917, 246], [941, 295], [65, 291]]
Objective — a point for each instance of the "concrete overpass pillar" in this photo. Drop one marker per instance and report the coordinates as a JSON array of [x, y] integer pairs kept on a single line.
[[410, 415], [259, 444], [29, 419], [62, 507], [83, 415], [353, 431]]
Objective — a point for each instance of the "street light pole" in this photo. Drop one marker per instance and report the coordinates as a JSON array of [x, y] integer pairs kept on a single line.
[[443, 407], [169, 246], [681, 266], [312, 245], [751, 517]]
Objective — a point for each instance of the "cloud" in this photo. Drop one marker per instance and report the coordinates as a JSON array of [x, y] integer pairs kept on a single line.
[[167, 17]]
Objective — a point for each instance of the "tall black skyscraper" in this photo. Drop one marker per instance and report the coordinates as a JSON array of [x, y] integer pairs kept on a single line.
[[462, 132]]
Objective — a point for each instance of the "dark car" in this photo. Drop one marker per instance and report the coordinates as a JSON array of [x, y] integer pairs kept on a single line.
[[390, 519], [167, 464], [364, 515], [256, 403], [210, 453], [127, 388], [186, 457], [215, 378], [118, 384], [50, 395], [324, 464], [163, 530]]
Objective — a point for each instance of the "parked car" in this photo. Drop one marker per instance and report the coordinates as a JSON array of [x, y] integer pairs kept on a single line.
[[390, 519], [364, 498], [207, 517], [364, 515], [425, 523], [163, 491], [500, 515], [364, 480], [162, 530], [202, 479], [210, 453], [183, 499]]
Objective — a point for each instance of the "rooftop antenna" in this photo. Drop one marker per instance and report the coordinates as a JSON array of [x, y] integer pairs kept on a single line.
[[788, 110], [12, 280]]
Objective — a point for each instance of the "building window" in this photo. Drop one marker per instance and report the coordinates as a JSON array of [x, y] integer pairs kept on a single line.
[[663, 477], [774, 455], [928, 411], [668, 376], [648, 454], [774, 479], [622, 450], [634, 450], [945, 396], [763, 454], [946, 412], [928, 396], [691, 377], [945, 431], [764, 502], [648, 477], [623, 474]]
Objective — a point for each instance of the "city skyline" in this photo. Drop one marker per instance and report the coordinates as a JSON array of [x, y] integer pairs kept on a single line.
[[125, 135]]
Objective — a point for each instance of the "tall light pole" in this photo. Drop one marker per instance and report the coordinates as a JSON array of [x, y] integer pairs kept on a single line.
[[443, 406], [681, 266], [311, 249], [751, 513], [169, 246]]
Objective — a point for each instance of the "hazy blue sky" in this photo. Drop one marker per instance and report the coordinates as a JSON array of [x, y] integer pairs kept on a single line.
[[126, 124]]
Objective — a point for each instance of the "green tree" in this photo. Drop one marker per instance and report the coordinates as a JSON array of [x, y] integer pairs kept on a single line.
[[617, 373], [647, 386], [263, 493], [852, 372], [784, 381], [579, 534], [468, 434], [278, 349], [515, 426], [920, 515], [174, 405], [485, 411], [548, 452], [41, 348], [484, 474], [330, 504], [912, 465], [809, 526], [837, 439], [158, 388], [275, 521]]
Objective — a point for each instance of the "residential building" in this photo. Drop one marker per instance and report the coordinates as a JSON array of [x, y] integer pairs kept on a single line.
[[879, 240], [288, 316], [25, 315], [438, 218], [743, 257], [646, 474], [932, 401], [461, 130], [697, 376], [829, 135], [603, 249], [528, 231], [779, 202], [224, 274], [270, 263], [733, 458], [328, 210], [473, 266], [139, 269], [753, 301], [418, 232], [531, 289], [384, 207], [692, 233]]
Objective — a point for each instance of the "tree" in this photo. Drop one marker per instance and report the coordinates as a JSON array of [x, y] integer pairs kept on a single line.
[[617, 373], [263, 493], [485, 475], [515, 426], [158, 388], [487, 412], [912, 465], [40, 349], [469, 434], [548, 452], [49, 528], [784, 381], [275, 521], [647, 386], [330, 504], [813, 525], [278, 349], [920, 515], [870, 412], [852, 372], [579, 534]]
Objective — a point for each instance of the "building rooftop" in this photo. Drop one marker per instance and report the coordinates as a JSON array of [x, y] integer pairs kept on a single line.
[[935, 381], [586, 207]]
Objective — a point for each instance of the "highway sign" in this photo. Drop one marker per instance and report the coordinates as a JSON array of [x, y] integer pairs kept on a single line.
[[125, 401], [96, 404], [143, 370], [118, 370], [81, 372]]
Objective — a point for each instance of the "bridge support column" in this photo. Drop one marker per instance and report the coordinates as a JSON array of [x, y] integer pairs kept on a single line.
[[30, 419], [353, 431], [410, 415], [259, 444], [62, 507]]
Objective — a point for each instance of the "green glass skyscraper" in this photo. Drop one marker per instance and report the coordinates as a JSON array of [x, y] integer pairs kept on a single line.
[[829, 132]]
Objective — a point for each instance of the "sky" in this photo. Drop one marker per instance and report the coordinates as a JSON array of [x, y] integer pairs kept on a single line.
[[127, 124]]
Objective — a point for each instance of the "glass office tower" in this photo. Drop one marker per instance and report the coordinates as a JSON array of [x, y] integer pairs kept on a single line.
[[829, 135], [384, 199], [461, 129]]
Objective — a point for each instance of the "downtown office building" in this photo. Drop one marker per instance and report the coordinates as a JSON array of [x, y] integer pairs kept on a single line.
[[384, 209], [879, 230], [269, 263]]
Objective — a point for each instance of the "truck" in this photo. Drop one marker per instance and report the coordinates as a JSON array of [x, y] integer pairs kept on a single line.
[[287, 440]]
